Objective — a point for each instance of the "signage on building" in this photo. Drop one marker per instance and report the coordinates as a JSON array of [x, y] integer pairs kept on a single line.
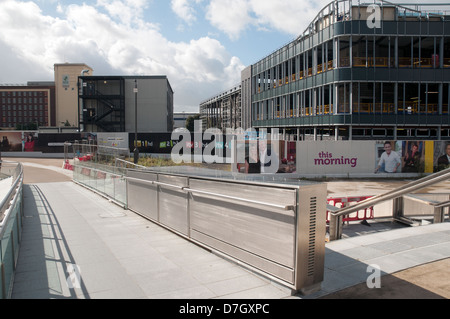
[[65, 80]]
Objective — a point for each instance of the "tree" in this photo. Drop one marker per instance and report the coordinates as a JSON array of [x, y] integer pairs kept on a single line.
[[190, 122]]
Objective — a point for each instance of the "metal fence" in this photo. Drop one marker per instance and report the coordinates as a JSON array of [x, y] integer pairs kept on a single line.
[[274, 228]]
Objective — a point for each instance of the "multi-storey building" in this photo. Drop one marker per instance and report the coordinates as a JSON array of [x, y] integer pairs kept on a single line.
[[359, 71], [25, 106], [109, 104], [222, 111]]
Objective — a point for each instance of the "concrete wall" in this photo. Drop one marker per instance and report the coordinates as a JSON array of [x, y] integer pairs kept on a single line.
[[152, 105]]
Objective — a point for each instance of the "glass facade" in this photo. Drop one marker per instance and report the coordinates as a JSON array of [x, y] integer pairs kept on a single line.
[[350, 80]]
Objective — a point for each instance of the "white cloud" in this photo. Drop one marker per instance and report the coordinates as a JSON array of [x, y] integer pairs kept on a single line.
[[32, 43], [292, 17], [185, 10], [288, 16], [233, 17], [126, 11], [230, 16]]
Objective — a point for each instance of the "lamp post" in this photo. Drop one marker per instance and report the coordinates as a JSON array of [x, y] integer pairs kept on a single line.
[[136, 150]]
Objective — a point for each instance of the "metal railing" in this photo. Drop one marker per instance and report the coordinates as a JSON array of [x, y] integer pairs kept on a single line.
[[337, 214], [258, 224], [11, 214]]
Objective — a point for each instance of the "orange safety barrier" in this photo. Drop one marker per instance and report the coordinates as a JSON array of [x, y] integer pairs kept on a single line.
[[101, 175], [68, 166], [360, 215], [86, 171], [86, 157]]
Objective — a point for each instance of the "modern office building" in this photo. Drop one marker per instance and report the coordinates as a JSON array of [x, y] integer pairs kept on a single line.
[[26, 106], [223, 110], [359, 71], [109, 104]]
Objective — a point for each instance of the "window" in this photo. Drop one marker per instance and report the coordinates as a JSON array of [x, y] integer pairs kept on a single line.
[[344, 52], [384, 55], [388, 98], [329, 55], [343, 105], [319, 54], [445, 97], [404, 52], [378, 106], [446, 52], [366, 97], [359, 51], [411, 98], [428, 58], [309, 62]]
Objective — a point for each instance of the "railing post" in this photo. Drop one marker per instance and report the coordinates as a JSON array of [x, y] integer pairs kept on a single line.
[[335, 227], [397, 208], [438, 215]]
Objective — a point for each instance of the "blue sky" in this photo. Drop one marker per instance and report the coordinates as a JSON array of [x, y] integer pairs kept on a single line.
[[201, 45]]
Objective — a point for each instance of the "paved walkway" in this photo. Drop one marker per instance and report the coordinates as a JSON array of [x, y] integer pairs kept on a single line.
[[75, 238], [77, 244]]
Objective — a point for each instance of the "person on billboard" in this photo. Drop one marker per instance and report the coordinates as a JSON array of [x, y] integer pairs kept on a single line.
[[444, 160], [390, 159], [29, 143], [412, 159], [5, 144]]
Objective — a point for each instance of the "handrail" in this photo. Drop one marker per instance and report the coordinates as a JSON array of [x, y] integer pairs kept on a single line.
[[403, 190], [155, 183], [6, 200], [283, 207], [140, 180], [128, 162], [168, 185], [443, 204]]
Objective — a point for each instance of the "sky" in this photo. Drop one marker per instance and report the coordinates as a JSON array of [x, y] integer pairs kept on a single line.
[[200, 45]]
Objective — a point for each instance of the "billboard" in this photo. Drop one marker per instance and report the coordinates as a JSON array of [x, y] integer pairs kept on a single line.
[[18, 141], [368, 157], [335, 157], [441, 155]]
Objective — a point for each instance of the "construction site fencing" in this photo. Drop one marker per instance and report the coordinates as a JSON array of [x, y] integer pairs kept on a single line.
[[110, 184], [94, 156], [94, 166], [359, 215]]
